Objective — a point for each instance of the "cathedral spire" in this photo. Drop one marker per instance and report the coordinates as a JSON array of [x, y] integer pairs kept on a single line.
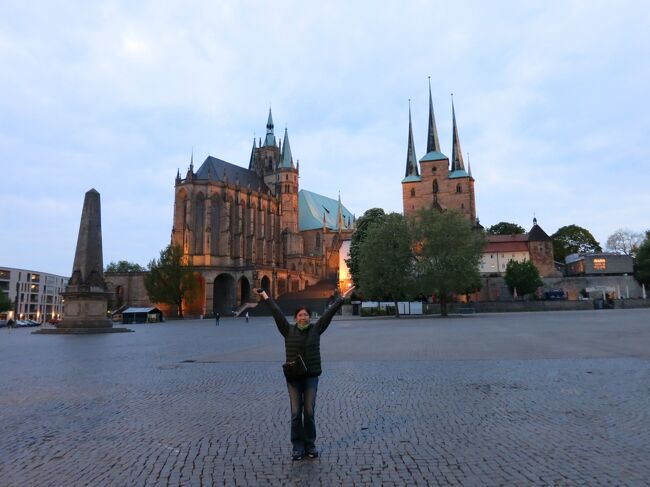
[[270, 137], [287, 158], [411, 160], [433, 143], [457, 154], [250, 162]]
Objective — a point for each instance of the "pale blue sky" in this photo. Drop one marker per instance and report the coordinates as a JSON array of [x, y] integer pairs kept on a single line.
[[551, 100]]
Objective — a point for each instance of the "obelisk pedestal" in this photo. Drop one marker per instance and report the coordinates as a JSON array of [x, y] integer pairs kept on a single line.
[[86, 298]]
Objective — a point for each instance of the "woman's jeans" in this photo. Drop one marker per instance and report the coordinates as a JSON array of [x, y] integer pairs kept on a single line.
[[302, 395]]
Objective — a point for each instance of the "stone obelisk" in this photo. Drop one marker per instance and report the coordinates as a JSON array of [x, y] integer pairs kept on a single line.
[[86, 297]]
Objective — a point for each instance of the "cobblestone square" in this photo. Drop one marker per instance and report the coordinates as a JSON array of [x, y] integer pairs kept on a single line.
[[548, 399]]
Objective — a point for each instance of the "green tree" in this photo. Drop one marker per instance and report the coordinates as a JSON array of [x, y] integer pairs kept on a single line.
[[386, 260], [522, 276], [506, 228], [571, 239], [124, 266], [373, 215], [642, 261], [5, 302], [447, 254], [170, 280]]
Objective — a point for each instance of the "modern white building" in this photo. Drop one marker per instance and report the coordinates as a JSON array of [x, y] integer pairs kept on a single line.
[[36, 295]]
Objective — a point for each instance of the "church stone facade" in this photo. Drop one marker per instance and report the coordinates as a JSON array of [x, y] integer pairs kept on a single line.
[[435, 183], [244, 228]]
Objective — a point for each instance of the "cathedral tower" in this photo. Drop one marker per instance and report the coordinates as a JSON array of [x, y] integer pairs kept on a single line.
[[435, 184]]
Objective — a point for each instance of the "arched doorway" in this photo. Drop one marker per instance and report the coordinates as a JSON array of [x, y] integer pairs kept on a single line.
[[266, 285], [243, 291], [225, 295]]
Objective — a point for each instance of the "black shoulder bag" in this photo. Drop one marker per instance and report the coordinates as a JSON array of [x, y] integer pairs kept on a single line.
[[295, 370]]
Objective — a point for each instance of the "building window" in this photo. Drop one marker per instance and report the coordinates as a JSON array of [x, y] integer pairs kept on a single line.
[[412, 192], [600, 264], [318, 240], [459, 188], [435, 186], [433, 169]]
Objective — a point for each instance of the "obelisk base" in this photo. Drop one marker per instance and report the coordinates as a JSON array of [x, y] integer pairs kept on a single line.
[[85, 313]]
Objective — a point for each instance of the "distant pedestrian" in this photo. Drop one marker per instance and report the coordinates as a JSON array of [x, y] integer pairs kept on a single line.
[[302, 349], [246, 316], [216, 317]]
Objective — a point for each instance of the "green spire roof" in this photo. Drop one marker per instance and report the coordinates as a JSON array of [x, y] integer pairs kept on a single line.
[[316, 211], [412, 173], [457, 153], [287, 160], [270, 137], [433, 143]]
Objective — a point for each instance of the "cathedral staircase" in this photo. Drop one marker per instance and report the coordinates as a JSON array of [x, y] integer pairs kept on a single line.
[[314, 297]]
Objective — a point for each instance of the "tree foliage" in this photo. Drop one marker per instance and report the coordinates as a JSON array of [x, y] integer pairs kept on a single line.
[[124, 266], [522, 276], [624, 241], [385, 259], [642, 261], [506, 228], [571, 239], [371, 216], [170, 280], [5, 302], [447, 254]]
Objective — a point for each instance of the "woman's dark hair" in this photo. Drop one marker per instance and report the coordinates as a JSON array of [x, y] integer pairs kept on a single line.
[[300, 309]]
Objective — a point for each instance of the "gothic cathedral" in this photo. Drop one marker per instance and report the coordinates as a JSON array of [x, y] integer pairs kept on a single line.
[[245, 228]]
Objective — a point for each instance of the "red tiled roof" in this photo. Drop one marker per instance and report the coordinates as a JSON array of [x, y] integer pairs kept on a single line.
[[508, 238], [497, 247]]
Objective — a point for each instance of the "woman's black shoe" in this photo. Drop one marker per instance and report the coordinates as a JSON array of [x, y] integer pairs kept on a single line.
[[297, 457], [312, 454]]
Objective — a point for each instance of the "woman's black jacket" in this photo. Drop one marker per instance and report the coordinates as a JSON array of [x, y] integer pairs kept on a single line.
[[304, 342]]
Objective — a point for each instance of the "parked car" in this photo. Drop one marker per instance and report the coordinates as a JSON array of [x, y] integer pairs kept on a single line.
[[33, 323], [555, 295], [3, 323], [22, 324]]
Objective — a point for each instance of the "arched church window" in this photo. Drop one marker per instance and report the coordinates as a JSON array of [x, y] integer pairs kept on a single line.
[[412, 192], [318, 240], [433, 169], [435, 186], [286, 177], [459, 188]]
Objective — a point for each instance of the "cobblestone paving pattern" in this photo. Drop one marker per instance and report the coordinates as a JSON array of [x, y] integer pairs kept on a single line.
[[159, 407]]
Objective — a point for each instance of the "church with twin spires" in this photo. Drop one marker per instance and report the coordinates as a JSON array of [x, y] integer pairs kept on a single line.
[[244, 228], [434, 183]]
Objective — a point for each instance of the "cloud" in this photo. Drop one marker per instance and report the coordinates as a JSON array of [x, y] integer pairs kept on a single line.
[[550, 99]]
